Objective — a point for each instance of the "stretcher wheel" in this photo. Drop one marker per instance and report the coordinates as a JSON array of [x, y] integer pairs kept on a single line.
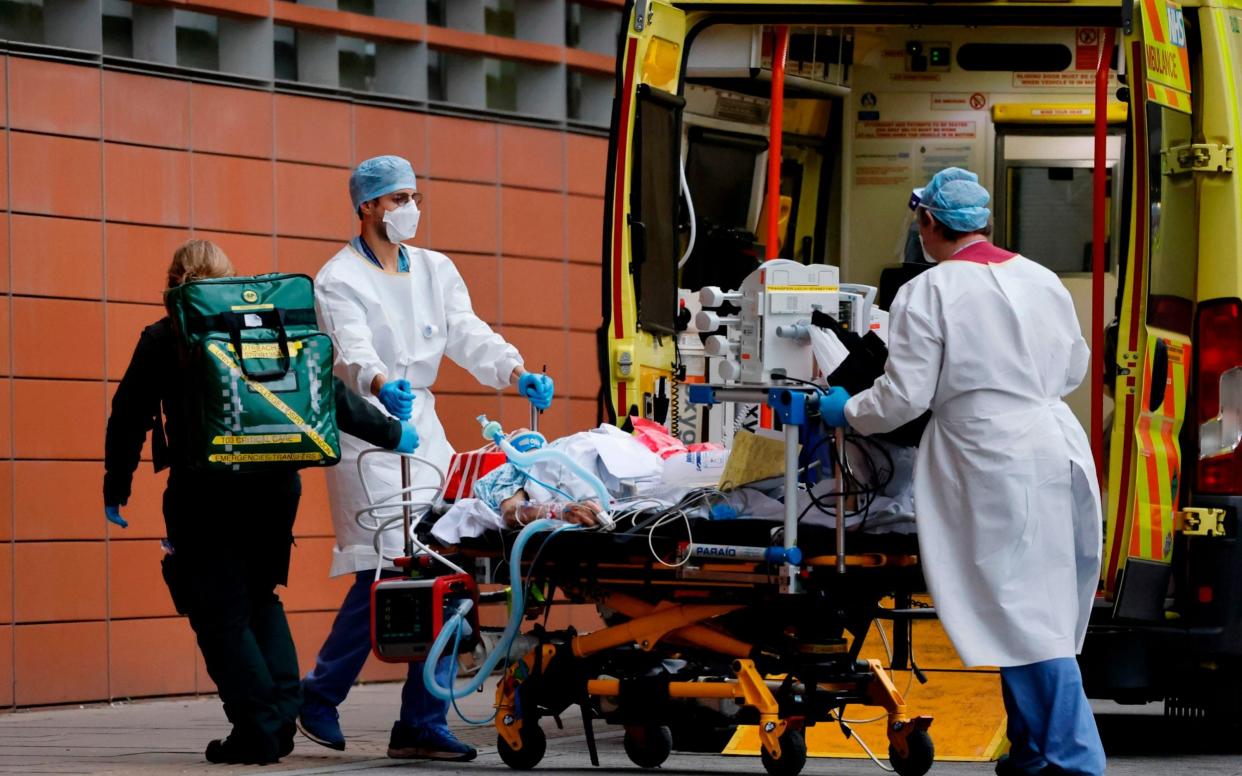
[[648, 746], [793, 755], [919, 759], [534, 745]]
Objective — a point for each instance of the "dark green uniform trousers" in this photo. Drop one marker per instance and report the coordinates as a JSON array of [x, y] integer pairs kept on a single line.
[[231, 537]]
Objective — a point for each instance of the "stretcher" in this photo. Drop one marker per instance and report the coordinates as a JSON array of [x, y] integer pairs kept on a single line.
[[706, 624], [715, 631]]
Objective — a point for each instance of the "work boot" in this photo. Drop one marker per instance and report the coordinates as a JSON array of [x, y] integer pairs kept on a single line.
[[234, 751], [320, 723], [438, 743]]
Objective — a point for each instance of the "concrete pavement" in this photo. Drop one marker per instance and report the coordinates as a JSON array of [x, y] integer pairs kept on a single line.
[[168, 737]]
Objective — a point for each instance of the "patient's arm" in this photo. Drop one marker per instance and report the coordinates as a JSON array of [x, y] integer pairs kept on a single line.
[[517, 511]]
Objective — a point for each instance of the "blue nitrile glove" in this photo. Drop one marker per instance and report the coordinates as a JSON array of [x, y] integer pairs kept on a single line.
[[832, 406], [397, 398], [409, 438], [113, 514], [537, 387]]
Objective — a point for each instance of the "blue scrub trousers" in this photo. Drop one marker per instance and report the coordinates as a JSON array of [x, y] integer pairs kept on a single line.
[[1050, 720], [345, 651]]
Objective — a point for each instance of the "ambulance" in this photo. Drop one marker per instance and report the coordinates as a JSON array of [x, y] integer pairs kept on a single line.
[[1107, 132]]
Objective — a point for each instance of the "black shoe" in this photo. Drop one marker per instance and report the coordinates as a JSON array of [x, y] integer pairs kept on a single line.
[[1006, 767], [230, 751], [408, 743], [285, 740]]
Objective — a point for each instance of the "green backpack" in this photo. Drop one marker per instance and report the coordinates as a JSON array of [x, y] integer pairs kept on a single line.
[[258, 380]]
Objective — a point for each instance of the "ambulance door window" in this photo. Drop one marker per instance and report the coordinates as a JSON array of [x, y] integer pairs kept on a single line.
[[724, 175], [1173, 236], [653, 208], [1050, 215]]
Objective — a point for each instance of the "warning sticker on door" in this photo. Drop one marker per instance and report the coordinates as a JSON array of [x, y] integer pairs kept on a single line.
[[912, 130]]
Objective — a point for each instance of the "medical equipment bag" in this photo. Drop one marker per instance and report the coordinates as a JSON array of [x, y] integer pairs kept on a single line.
[[259, 389]]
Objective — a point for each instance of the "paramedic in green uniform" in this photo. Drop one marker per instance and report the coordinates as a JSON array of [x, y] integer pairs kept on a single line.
[[229, 534]]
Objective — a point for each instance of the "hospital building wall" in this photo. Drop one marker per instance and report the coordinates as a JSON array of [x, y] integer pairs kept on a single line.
[[104, 173]]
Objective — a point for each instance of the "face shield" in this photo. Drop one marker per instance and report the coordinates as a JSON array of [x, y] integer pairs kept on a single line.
[[908, 249]]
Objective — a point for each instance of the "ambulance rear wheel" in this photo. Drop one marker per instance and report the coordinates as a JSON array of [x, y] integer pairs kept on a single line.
[[920, 755], [793, 755], [534, 745], [648, 746]]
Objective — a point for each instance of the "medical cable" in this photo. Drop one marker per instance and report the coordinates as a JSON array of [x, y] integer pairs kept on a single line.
[[668, 518], [888, 650], [685, 190], [518, 591], [851, 734]]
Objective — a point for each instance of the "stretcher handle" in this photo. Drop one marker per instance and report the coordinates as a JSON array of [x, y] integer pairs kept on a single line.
[[840, 483], [406, 516]]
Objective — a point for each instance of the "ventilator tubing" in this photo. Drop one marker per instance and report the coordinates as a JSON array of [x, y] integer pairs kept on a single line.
[[493, 431], [518, 610]]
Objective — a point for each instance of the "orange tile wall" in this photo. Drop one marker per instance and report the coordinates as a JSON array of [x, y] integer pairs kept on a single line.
[[107, 172]]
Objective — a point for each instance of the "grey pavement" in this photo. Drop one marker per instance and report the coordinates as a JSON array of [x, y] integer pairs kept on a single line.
[[168, 737]]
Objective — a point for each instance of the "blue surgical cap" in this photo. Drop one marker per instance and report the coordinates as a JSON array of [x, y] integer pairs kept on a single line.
[[956, 199], [378, 176]]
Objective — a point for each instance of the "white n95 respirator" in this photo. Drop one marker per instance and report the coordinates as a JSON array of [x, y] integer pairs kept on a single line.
[[401, 223]]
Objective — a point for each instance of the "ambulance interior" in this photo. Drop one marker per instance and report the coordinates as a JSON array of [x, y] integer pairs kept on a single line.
[[869, 114]]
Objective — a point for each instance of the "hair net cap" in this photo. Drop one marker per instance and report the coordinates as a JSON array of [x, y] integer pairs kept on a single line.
[[956, 199], [378, 176]]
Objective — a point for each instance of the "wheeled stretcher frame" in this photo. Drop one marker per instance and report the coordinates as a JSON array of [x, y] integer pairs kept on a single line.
[[782, 642]]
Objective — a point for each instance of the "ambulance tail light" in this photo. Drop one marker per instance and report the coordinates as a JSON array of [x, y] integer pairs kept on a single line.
[[1218, 382]]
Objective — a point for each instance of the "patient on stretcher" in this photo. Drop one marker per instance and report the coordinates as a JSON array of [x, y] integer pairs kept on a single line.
[[638, 478]]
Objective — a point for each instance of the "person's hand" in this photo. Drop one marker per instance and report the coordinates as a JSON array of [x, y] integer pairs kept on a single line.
[[832, 406], [397, 398], [409, 438], [583, 513], [113, 515], [538, 388]]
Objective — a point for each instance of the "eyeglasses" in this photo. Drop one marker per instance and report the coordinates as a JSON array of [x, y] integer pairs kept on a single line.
[[401, 199]]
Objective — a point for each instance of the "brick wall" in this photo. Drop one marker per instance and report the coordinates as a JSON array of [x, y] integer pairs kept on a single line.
[[106, 173]]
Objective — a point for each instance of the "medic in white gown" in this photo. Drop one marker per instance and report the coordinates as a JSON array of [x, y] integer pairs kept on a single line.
[[394, 320], [1005, 492], [394, 312]]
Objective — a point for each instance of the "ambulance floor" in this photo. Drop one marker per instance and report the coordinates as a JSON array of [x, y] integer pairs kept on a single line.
[[168, 736]]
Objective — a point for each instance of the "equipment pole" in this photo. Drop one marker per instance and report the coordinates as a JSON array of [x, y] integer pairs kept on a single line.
[[780, 49], [840, 482], [791, 498], [405, 506]]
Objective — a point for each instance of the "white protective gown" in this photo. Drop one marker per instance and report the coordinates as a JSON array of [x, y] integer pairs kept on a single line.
[[399, 325], [1007, 502]]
